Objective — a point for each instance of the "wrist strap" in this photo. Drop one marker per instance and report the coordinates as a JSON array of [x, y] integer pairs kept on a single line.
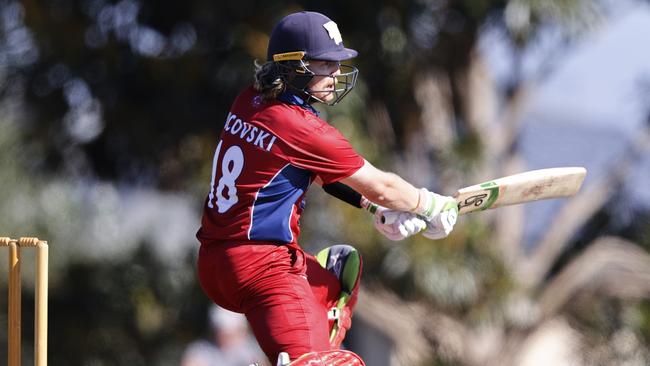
[[344, 193]]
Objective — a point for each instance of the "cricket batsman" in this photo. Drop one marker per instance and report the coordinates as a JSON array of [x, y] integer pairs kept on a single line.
[[272, 148]]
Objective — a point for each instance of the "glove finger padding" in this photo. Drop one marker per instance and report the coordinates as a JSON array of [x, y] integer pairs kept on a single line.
[[410, 224], [407, 227], [403, 230], [443, 223], [397, 225], [389, 231]]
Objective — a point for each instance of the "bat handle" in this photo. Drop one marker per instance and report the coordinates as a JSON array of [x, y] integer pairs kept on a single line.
[[389, 217]]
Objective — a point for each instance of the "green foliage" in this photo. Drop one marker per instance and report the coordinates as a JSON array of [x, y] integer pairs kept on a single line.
[[131, 305], [643, 321]]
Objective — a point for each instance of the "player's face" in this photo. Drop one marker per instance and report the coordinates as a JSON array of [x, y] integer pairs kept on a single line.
[[323, 84]]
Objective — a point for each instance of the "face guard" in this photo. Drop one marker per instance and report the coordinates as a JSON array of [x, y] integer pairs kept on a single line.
[[298, 75], [343, 84]]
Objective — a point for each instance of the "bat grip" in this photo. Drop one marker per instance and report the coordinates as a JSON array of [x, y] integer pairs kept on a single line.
[[389, 217]]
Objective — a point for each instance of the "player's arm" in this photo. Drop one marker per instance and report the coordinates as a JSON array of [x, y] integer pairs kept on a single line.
[[347, 194], [391, 191], [383, 188], [401, 226]]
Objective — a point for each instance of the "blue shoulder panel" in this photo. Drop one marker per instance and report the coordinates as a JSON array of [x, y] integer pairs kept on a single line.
[[274, 205]]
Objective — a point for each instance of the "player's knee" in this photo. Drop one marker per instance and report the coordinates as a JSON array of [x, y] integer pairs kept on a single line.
[[344, 261]]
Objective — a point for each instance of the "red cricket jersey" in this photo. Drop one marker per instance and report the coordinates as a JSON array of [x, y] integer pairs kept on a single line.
[[267, 156]]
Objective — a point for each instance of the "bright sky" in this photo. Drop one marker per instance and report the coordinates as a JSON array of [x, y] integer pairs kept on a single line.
[[600, 79], [596, 80]]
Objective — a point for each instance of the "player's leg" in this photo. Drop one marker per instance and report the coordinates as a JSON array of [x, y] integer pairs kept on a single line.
[[335, 274], [282, 310], [268, 284], [217, 275]]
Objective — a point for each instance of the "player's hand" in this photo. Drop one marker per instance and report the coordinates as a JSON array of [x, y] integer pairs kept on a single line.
[[431, 204], [398, 225], [395, 225], [440, 225]]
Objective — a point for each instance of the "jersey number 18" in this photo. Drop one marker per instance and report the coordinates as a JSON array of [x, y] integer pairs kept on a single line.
[[231, 167]]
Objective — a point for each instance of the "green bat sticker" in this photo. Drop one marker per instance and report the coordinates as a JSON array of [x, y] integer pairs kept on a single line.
[[494, 194], [483, 200]]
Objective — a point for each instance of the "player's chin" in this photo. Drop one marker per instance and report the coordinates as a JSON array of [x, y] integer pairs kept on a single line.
[[327, 96]]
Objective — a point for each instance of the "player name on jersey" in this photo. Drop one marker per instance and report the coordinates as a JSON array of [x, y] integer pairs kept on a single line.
[[249, 133]]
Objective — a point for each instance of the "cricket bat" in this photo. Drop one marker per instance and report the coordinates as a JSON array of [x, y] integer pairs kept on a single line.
[[524, 187]]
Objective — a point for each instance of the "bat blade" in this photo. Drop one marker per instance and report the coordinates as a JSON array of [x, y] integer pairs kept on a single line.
[[519, 188]]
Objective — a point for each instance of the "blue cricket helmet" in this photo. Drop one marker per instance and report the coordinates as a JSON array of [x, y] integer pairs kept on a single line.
[[308, 34]]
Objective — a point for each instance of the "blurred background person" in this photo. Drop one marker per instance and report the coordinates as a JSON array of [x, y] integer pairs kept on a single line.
[[231, 343]]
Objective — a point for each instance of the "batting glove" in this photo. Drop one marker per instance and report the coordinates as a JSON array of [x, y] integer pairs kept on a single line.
[[442, 224], [430, 204], [440, 213], [398, 225], [395, 225]]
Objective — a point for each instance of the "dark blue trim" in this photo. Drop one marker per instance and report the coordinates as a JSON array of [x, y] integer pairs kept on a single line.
[[291, 98], [273, 207]]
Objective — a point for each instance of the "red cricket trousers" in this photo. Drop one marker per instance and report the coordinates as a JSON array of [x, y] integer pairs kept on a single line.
[[283, 291]]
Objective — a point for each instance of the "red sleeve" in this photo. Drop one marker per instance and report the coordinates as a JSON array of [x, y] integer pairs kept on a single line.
[[323, 150]]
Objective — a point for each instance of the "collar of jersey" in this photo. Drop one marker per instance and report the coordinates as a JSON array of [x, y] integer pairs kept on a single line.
[[291, 98]]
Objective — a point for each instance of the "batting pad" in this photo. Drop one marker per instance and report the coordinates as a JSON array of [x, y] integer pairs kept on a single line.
[[344, 262]]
